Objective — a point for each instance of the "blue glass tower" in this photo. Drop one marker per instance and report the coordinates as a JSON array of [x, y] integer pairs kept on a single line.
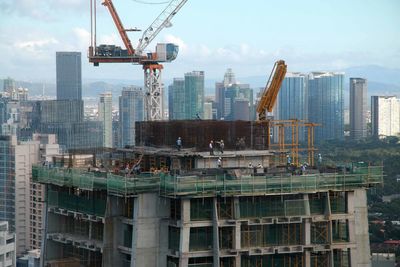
[[131, 110], [292, 102], [325, 104]]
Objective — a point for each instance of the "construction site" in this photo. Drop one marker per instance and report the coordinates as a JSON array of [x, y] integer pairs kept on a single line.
[[261, 199], [157, 206]]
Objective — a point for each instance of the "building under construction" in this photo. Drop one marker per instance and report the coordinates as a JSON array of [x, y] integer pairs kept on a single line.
[[156, 206]]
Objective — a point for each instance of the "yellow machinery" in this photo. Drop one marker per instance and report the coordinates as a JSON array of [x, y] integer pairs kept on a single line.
[[271, 90]]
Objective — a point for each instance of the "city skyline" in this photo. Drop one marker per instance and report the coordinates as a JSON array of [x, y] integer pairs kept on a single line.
[[372, 31]]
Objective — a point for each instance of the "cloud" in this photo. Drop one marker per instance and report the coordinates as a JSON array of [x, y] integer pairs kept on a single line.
[[82, 38], [35, 44], [169, 38]]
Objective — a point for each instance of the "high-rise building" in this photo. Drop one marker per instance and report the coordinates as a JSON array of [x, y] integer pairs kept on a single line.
[[292, 101], [208, 111], [194, 95], [358, 108], [26, 154], [186, 97], [9, 85], [105, 116], [48, 148], [385, 113], [7, 180], [69, 76], [176, 99], [54, 111], [229, 80], [7, 246], [204, 212], [227, 93], [131, 110], [326, 104], [23, 213], [238, 93]]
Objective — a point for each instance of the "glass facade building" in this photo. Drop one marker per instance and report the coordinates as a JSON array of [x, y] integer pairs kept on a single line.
[[186, 97], [69, 75], [292, 101], [176, 99], [131, 110], [325, 104], [194, 95], [7, 180]]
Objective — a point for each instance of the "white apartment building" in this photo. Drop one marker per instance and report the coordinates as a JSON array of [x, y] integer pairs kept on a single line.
[[7, 246], [385, 115]]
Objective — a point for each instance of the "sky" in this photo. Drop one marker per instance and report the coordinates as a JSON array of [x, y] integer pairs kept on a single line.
[[247, 36]]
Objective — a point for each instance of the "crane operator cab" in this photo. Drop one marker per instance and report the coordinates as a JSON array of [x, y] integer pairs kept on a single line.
[[164, 52]]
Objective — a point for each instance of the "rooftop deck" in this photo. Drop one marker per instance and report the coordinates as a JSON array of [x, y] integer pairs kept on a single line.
[[172, 186]]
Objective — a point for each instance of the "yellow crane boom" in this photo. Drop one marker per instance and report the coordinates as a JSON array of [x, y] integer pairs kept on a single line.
[[270, 93]]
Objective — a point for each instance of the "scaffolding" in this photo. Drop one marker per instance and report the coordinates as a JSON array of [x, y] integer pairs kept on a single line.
[[294, 148], [202, 185], [174, 186]]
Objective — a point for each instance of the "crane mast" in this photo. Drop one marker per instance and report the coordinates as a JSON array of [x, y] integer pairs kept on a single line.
[[270, 93]]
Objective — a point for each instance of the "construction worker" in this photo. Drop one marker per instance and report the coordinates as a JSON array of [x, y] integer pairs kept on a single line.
[[211, 147], [221, 146], [179, 144]]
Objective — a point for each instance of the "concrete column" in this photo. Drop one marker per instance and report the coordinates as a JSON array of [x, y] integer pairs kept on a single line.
[[306, 205], [185, 210], [185, 233], [237, 244], [360, 256], [328, 205], [215, 234], [307, 231], [307, 259], [149, 213], [236, 207], [238, 261], [184, 246]]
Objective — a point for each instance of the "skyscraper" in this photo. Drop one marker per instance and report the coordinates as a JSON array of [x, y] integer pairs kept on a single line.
[[194, 95], [358, 108], [292, 102], [7, 180], [385, 113], [69, 75], [105, 116], [9, 85], [325, 104], [176, 99], [131, 110], [238, 93], [186, 97], [229, 80]]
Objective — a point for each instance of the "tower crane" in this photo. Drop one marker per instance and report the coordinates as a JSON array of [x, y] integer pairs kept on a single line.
[[270, 93], [150, 61]]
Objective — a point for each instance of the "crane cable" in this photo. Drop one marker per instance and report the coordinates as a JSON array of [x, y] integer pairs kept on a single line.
[[151, 3]]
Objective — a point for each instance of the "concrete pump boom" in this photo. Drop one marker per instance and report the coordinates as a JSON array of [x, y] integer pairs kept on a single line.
[[270, 93]]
